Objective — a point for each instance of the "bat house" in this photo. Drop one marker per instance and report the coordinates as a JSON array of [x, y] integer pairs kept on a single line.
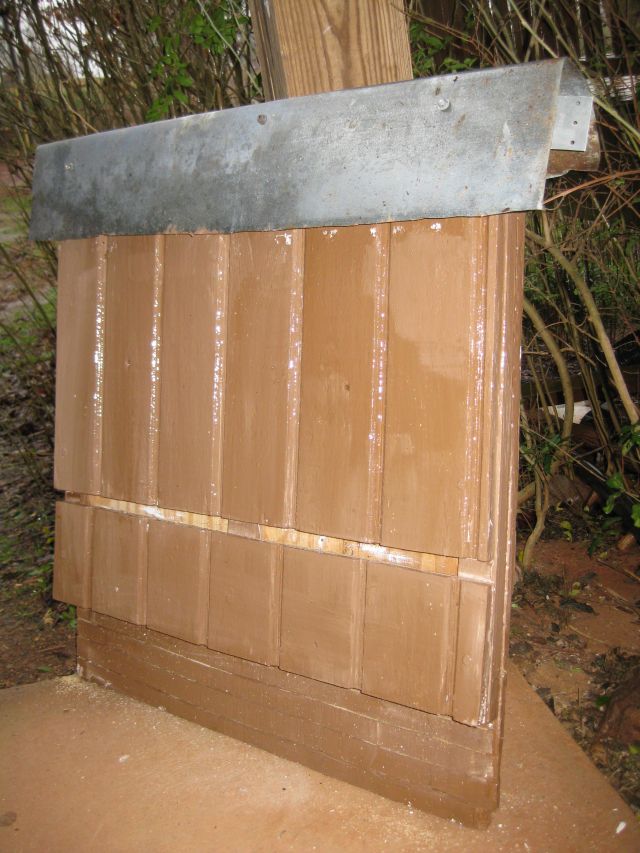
[[287, 414]]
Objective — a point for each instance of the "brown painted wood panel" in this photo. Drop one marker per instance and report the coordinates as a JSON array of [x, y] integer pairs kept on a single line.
[[263, 377], [79, 358], [244, 611], [72, 558], [358, 43], [434, 392], [178, 580], [192, 386], [343, 381], [131, 368], [119, 566], [409, 637], [322, 616], [470, 686]]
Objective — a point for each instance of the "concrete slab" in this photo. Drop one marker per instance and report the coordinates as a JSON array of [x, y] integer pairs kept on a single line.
[[86, 769]]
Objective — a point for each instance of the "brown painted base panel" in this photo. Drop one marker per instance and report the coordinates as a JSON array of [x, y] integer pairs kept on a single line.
[[432, 762]]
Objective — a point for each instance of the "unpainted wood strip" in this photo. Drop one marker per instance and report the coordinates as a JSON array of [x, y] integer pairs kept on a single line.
[[415, 560], [433, 728], [80, 364]]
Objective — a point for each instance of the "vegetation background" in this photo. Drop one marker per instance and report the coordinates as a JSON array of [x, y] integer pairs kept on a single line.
[[71, 67]]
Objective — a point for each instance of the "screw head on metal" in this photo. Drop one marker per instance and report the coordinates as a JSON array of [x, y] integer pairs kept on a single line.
[[443, 104]]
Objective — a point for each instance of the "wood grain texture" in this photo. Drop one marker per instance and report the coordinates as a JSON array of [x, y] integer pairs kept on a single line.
[[131, 368], [343, 382], [345, 44], [434, 393], [192, 387], [244, 604], [263, 377], [178, 580], [72, 558], [79, 364], [322, 617], [409, 637], [119, 566]]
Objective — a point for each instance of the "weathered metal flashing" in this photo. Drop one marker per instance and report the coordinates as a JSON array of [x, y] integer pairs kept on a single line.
[[464, 144]]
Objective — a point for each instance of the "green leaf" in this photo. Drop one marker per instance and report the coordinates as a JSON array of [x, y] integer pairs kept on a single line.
[[615, 482], [635, 515]]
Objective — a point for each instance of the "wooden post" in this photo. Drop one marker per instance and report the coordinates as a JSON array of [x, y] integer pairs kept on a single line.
[[324, 45]]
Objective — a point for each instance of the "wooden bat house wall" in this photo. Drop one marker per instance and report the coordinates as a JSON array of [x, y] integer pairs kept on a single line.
[[281, 488]]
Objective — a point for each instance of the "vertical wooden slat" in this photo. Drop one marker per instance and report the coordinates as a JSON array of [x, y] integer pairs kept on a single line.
[[193, 346], [346, 44], [131, 371], [72, 560], [343, 382], [409, 637], [322, 617], [246, 583], [81, 283], [471, 658], [263, 376], [119, 566], [178, 580], [434, 394]]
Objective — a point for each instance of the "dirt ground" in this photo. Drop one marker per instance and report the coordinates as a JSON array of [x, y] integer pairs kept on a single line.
[[575, 637]]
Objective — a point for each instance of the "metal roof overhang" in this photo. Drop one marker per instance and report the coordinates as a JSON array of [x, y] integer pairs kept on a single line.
[[466, 144]]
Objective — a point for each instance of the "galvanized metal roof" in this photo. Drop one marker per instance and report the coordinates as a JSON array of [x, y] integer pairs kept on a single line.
[[464, 144]]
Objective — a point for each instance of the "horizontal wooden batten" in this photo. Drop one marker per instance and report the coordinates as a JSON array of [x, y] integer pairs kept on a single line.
[[417, 560], [434, 763]]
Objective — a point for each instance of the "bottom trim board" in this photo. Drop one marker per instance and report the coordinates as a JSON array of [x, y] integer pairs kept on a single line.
[[434, 763]]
